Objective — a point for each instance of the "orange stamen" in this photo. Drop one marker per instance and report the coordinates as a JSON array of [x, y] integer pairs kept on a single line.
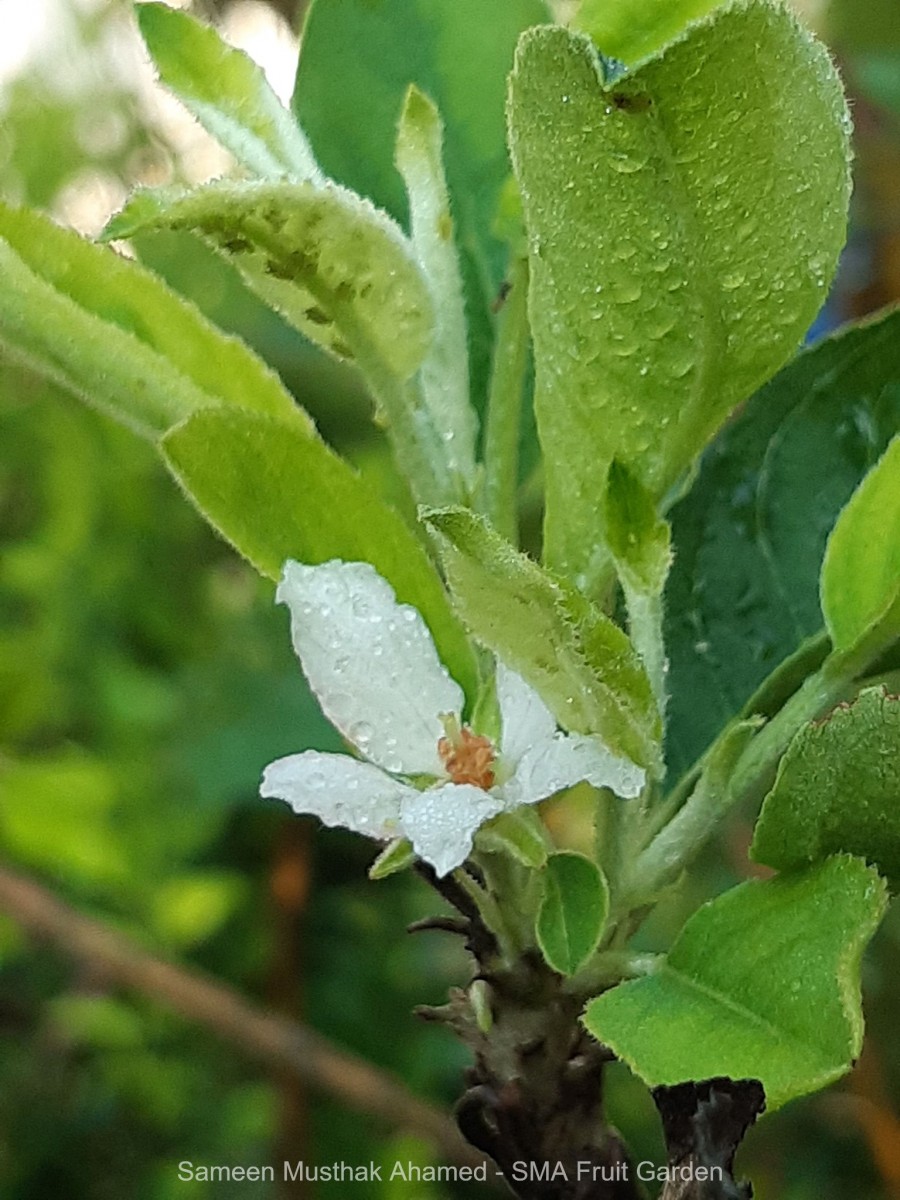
[[468, 758]]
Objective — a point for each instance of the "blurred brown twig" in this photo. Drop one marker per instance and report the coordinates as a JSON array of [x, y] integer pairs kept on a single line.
[[264, 1036]]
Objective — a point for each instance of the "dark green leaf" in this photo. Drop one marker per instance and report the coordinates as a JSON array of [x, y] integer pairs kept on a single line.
[[837, 790], [749, 538], [573, 912]]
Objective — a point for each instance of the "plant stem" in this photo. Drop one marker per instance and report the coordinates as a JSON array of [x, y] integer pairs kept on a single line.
[[501, 447], [645, 624], [691, 813]]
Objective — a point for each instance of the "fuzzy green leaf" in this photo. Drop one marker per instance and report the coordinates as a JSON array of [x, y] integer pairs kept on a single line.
[[334, 266], [396, 856], [762, 983], [519, 833], [837, 790], [445, 371], [580, 662], [227, 93], [573, 912], [861, 571], [743, 593], [684, 225], [275, 493], [357, 60], [108, 331]]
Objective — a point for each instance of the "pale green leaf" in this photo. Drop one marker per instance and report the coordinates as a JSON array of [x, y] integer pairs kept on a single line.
[[580, 662], [111, 333], [445, 371], [684, 225], [573, 912], [396, 856], [520, 834], [630, 30], [762, 983], [838, 789], [861, 571], [227, 93], [332, 264], [277, 493], [637, 537]]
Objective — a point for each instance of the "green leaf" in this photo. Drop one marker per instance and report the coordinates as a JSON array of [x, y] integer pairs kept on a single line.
[[276, 493], [762, 983], [861, 571], [358, 58], [837, 790], [111, 333], [638, 538], [445, 371], [519, 833], [573, 912], [396, 856], [334, 266], [630, 30], [664, 289], [580, 662], [743, 593], [227, 93]]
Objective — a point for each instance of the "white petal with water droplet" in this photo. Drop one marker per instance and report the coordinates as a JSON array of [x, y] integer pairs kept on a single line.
[[441, 822], [371, 663], [525, 718], [565, 760], [338, 790]]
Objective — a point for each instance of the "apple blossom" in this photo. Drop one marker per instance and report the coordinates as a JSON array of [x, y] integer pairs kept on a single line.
[[374, 668]]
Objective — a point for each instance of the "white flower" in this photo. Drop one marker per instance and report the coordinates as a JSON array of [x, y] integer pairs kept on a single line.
[[375, 670]]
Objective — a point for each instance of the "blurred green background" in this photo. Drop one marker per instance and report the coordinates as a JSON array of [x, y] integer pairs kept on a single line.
[[146, 678]]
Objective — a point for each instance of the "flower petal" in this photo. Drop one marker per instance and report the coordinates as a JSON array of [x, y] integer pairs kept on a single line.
[[441, 822], [371, 663], [565, 760], [339, 790], [525, 720]]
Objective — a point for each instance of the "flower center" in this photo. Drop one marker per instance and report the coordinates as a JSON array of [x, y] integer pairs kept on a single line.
[[467, 757]]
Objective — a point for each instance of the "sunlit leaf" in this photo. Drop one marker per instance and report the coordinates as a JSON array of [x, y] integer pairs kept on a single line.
[[684, 225], [861, 571], [762, 983], [110, 332], [227, 93]]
